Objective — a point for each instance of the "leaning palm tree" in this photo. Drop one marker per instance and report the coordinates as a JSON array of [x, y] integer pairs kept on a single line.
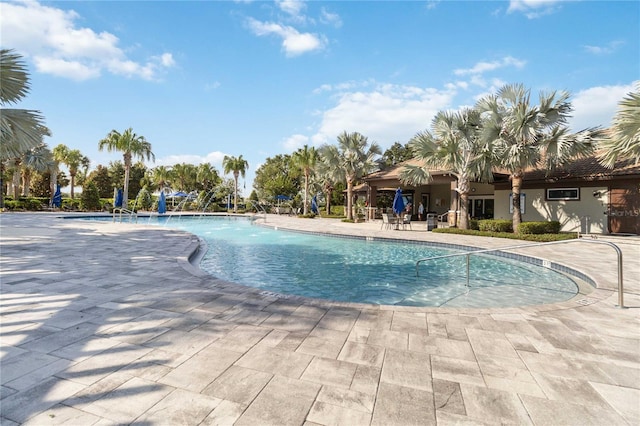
[[305, 159], [20, 129], [453, 145], [131, 145], [238, 166], [623, 141], [354, 157], [526, 135]]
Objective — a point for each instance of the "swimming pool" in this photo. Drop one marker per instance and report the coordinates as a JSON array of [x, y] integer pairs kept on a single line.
[[359, 270]]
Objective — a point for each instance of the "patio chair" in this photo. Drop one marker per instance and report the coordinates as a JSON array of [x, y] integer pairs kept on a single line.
[[386, 222], [406, 221]]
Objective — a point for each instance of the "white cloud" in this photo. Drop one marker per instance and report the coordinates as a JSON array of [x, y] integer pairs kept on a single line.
[[533, 8], [604, 50], [51, 37], [329, 18], [291, 7], [596, 106], [293, 42], [483, 67], [294, 142], [385, 114]]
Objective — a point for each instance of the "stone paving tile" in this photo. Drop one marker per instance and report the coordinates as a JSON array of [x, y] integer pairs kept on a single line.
[[322, 413], [546, 412], [399, 405], [624, 400], [366, 379], [226, 413], [180, 407], [330, 372], [62, 414], [493, 405], [178, 341], [448, 397], [389, 339], [275, 361], [238, 384], [490, 343], [441, 346], [456, 370], [359, 353], [283, 401], [410, 369]]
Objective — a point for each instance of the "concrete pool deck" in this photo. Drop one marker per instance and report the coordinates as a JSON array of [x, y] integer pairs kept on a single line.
[[109, 323]]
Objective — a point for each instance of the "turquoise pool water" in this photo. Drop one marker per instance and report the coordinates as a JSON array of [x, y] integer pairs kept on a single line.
[[357, 270]]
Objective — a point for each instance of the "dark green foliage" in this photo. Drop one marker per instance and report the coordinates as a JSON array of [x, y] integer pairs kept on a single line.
[[551, 227], [473, 224], [541, 238], [39, 186], [100, 176], [495, 225], [90, 199], [144, 200]]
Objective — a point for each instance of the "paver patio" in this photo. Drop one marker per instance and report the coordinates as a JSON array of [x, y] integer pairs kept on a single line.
[[105, 323]]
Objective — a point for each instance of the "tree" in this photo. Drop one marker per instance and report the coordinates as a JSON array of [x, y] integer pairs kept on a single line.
[[238, 166], [131, 145], [623, 140], [276, 176], [305, 159], [206, 177], [20, 129], [526, 135], [38, 159], [453, 145], [90, 199], [100, 176], [397, 153], [161, 177], [184, 176], [73, 159], [354, 158]]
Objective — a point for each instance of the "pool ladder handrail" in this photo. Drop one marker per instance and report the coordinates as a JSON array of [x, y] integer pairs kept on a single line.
[[130, 213], [468, 255]]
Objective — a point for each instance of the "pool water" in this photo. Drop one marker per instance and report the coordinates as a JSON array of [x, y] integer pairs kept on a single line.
[[357, 270]]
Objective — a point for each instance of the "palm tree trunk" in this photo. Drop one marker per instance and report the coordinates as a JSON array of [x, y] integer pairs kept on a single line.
[[305, 210], [26, 182], [349, 199], [53, 179], [328, 206], [516, 185], [73, 183], [235, 192], [463, 191], [16, 184]]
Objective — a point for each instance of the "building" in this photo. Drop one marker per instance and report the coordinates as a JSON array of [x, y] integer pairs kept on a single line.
[[583, 196]]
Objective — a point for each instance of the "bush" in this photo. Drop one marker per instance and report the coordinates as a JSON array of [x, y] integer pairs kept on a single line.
[[473, 224], [541, 238], [90, 198], [551, 227], [495, 225]]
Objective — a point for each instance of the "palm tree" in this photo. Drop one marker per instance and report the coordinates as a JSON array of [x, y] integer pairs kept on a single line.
[[39, 159], [238, 166], [73, 159], [327, 173], [354, 157], [528, 135], [20, 129], [623, 141], [161, 177], [207, 176], [131, 145], [455, 146], [305, 159]]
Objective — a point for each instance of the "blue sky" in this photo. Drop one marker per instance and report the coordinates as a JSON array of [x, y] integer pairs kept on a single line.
[[204, 79]]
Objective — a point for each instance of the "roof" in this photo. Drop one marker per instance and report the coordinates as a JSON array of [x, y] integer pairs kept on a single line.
[[588, 168]]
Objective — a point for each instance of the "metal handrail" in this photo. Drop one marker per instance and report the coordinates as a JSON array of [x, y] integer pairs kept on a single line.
[[468, 255], [123, 210]]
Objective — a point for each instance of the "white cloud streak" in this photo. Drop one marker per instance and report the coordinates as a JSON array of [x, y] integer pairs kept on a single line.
[[596, 106], [533, 9], [57, 46], [294, 42]]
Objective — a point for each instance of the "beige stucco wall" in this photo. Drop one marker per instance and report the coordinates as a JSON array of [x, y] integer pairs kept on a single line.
[[571, 214], [442, 192]]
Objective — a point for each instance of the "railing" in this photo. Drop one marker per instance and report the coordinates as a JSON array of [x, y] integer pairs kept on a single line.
[[120, 211], [468, 255]]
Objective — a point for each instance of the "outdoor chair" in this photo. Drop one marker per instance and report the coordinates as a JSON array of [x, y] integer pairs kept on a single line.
[[406, 221], [386, 222]]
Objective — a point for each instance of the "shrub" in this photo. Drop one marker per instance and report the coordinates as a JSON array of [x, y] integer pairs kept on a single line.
[[541, 238], [90, 198], [473, 224], [495, 225], [551, 227]]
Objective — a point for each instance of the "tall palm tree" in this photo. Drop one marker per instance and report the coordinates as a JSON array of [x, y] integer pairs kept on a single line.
[[454, 145], [305, 159], [354, 157], [131, 145], [207, 176], [327, 173], [161, 177], [238, 166], [73, 159], [526, 135], [623, 141]]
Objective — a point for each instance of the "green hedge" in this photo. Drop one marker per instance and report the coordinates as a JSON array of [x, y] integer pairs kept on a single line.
[[495, 225], [551, 227], [542, 238]]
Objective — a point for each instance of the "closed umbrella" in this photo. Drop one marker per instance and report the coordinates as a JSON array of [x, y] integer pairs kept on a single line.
[[398, 202], [314, 204], [57, 198], [118, 201], [162, 203]]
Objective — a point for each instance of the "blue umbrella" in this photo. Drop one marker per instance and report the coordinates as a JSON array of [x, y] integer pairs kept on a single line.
[[314, 204], [178, 194], [162, 203], [57, 198], [398, 202], [118, 201], [282, 197]]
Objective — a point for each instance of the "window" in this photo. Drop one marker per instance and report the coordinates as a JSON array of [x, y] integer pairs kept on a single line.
[[563, 194]]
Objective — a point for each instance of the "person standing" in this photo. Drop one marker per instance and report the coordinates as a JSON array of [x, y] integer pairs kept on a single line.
[[420, 211]]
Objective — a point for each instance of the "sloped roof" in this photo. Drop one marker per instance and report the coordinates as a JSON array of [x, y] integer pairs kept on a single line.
[[588, 168]]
